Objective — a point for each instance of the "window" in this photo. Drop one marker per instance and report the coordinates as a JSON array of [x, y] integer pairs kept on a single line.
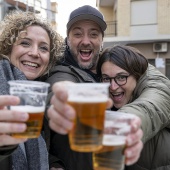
[[143, 12]]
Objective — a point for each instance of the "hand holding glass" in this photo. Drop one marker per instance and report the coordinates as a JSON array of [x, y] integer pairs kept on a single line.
[[32, 96], [89, 100], [116, 128]]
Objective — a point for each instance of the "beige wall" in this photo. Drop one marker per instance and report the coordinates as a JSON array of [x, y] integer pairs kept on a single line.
[[124, 27], [163, 16], [147, 50], [108, 13], [123, 17]]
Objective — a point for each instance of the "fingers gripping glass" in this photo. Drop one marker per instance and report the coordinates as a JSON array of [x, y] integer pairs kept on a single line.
[[120, 80]]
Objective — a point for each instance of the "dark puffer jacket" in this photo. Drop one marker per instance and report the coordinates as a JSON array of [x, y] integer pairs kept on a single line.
[[59, 144]]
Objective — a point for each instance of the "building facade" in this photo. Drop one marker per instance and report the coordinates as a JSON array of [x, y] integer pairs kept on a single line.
[[45, 8], [143, 24]]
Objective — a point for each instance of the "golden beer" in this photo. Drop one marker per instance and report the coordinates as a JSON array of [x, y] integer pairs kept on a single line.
[[34, 123], [116, 128], [109, 158], [86, 135]]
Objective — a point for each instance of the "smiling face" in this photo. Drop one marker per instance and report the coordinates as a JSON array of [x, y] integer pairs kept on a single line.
[[31, 52], [120, 95], [85, 40]]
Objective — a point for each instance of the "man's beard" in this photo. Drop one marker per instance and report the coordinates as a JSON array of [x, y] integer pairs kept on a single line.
[[91, 65]]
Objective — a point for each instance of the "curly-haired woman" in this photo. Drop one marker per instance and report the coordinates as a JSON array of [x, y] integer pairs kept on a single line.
[[29, 49]]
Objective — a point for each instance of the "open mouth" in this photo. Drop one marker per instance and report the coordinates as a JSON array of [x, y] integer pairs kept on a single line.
[[30, 64], [85, 54], [117, 96]]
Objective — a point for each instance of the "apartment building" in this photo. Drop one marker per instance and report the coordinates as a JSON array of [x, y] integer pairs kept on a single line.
[[143, 24], [45, 8]]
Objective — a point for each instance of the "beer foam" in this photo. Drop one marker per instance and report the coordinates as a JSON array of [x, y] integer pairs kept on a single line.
[[27, 108], [113, 140], [89, 99]]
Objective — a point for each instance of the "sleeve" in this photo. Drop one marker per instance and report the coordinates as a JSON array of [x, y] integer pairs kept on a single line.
[[152, 106], [61, 74], [6, 151], [56, 76], [54, 162]]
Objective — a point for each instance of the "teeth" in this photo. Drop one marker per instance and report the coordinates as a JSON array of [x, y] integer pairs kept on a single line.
[[117, 94], [30, 64], [85, 50]]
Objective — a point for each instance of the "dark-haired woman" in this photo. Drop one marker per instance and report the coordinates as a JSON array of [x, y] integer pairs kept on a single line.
[[137, 87]]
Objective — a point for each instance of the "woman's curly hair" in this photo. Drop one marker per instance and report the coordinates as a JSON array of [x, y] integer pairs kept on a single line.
[[15, 22]]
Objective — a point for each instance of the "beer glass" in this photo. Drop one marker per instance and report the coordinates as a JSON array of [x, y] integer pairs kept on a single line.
[[116, 128], [89, 100], [32, 96]]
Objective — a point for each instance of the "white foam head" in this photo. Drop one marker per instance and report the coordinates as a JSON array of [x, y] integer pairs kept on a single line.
[[29, 109], [90, 99], [113, 140]]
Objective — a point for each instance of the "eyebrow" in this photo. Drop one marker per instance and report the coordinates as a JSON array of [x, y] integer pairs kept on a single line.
[[121, 73], [91, 29], [27, 38]]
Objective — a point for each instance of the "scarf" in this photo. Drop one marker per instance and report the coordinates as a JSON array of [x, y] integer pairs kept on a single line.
[[31, 155]]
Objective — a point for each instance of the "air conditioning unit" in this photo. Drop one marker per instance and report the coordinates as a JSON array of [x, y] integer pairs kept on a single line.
[[160, 47]]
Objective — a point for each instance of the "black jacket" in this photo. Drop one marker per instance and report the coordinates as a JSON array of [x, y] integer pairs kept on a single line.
[[59, 144]]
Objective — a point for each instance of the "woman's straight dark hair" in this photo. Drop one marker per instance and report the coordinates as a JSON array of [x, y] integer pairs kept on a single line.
[[125, 57]]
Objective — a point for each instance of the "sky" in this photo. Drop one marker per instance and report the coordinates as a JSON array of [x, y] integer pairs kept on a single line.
[[64, 9]]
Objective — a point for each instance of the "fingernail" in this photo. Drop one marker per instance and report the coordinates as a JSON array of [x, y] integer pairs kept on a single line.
[[69, 113], [24, 139], [135, 127], [14, 100], [62, 96], [21, 127], [24, 116]]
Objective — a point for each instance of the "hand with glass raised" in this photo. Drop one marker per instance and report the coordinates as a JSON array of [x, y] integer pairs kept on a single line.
[[11, 121], [61, 116]]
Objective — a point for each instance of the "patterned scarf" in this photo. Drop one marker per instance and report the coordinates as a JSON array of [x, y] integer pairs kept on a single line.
[[31, 155]]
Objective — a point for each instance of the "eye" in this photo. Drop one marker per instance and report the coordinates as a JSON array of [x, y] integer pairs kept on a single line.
[[77, 34], [94, 35], [44, 49], [105, 79], [121, 77], [24, 43]]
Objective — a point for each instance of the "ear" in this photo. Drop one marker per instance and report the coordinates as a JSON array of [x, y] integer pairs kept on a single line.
[[68, 42], [101, 47]]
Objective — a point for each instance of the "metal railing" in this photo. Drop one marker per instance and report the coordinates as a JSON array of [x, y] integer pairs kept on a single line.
[[111, 28]]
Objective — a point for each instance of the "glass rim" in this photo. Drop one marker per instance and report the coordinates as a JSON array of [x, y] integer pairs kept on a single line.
[[99, 84], [28, 82], [119, 113]]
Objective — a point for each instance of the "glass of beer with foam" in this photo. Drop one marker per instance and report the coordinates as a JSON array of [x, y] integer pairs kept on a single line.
[[117, 126], [89, 101], [32, 96]]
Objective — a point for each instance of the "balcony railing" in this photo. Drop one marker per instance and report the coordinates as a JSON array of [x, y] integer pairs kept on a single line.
[[111, 28]]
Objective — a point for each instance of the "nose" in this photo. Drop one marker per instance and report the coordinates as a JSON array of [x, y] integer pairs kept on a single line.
[[86, 40], [113, 85], [34, 51]]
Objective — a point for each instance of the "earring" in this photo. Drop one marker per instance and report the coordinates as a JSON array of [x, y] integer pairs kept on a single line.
[[67, 45], [101, 48]]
